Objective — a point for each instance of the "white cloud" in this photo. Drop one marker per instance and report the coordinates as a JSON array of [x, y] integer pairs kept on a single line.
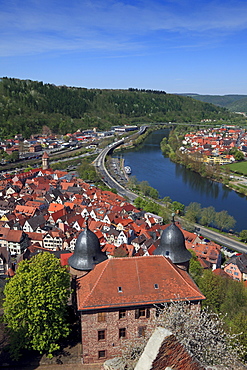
[[38, 26]]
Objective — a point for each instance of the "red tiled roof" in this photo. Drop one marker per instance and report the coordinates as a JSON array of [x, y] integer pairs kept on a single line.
[[136, 276], [64, 258], [172, 355]]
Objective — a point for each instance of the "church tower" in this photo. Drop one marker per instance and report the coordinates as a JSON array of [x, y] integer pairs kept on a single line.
[[45, 161]]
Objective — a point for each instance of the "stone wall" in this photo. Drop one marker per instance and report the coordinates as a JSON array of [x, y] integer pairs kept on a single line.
[[137, 324]]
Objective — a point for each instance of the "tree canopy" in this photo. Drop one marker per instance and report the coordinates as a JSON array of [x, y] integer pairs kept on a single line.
[[27, 106], [35, 305]]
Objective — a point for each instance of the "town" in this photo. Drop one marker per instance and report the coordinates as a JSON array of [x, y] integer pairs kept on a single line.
[[214, 144], [45, 210]]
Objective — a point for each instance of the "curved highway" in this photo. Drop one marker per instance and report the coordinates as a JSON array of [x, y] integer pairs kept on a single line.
[[99, 163]]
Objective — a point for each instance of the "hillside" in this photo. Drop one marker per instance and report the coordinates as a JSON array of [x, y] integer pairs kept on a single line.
[[235, 103], [27, 106]]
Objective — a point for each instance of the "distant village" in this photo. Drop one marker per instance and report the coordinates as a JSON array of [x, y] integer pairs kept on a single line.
[[214, 144]]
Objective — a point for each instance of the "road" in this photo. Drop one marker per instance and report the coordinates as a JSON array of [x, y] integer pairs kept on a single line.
[[221, 239], [99, 163]]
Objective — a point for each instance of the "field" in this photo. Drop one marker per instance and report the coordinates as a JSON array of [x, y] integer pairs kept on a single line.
[[239, 167]]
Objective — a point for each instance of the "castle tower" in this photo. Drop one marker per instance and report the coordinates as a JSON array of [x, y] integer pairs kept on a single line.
[[172, 245], [45, 161], [87, 253]]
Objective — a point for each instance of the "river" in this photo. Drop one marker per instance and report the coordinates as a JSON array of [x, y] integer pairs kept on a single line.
[[174, 180]]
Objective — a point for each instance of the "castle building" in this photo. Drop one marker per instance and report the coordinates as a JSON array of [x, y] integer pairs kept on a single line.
[[117, 298]]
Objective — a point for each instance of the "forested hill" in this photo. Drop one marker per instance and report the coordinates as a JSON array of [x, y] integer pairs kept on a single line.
[[235, 103], [27, 106]]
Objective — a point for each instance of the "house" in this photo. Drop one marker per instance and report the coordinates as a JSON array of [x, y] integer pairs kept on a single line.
[[5, 262], [34, 224], [236, 267], [16, 241], [116, 297]]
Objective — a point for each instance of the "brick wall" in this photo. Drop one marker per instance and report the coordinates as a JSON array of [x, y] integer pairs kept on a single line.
[[108, 340]]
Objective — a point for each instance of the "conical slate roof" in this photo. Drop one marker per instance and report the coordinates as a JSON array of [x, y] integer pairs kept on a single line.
[[172, 245], [87, 252]]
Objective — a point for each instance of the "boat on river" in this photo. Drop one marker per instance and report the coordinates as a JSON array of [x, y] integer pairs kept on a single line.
[[127, 170]]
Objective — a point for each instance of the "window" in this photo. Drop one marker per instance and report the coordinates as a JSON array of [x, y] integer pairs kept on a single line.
[[122, 314], [101, 316], [120, 289], [142, 312], [101, 334], [102, 354], [156, 286], [122, 333], [141, 331]]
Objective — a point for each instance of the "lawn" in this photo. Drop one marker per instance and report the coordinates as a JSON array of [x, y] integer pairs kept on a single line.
[[239, 167]]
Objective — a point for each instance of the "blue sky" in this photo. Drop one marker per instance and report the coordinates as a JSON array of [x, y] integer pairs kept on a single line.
[[172, 45]]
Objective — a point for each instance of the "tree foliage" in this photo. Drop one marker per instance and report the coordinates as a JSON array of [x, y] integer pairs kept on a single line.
[[228, 297], [195, 269], [193, 212], [243, 235], [87, 172], [203, 334], [224, 221], [35, 305], [27, 106], [177, 207], [209, 217]]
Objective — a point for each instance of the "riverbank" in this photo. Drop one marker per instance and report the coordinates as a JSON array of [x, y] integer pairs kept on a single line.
[[195, 162]]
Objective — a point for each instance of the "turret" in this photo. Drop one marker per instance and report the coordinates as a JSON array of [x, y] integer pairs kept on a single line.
[[172, 245], [87, 253]]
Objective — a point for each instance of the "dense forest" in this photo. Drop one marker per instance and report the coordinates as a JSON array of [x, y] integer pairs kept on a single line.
[[235, 103], [26, 106]]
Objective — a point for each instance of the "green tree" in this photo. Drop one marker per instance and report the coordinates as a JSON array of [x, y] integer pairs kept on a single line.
[[133, 182], [35, 305], [212, 287], [177, 207], [195, 269], [167, 200], [243, 235], [239, 156], [224, 221], [139, 202], [207, 216], [193, 212], [87, 171], [153, 193], [14, 156], [144, 187]]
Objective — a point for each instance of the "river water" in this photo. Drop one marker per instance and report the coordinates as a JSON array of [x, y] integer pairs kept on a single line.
[[174, 180]]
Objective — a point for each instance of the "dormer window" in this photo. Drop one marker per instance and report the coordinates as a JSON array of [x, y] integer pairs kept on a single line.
[[120, 289], [156, 286]]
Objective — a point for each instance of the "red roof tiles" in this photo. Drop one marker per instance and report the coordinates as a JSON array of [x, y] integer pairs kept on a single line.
[[137, 277]]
